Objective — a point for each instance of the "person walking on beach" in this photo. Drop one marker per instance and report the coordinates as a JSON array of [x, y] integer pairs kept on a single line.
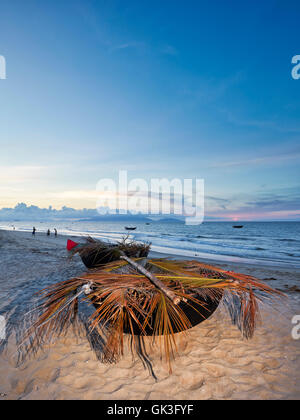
[[48, 232], [55, 232], [33, 230]]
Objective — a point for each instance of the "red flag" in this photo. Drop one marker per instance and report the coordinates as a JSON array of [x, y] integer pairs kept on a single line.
[[71, 245]]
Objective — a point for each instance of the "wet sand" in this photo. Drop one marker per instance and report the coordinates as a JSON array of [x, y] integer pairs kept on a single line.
[[213, 362]]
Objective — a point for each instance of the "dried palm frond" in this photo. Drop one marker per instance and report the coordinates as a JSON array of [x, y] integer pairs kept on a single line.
[[126, 302]]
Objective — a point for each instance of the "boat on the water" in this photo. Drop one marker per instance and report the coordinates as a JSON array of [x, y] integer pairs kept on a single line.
[[238, 226], [130, 227]]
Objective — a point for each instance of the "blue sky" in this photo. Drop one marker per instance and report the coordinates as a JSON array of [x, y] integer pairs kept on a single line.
[[162, 89]]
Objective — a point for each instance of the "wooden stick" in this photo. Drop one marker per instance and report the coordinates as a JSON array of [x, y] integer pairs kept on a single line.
[[159, 284]]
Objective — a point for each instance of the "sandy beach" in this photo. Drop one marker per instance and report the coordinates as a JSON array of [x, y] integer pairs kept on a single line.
[[215, 362]]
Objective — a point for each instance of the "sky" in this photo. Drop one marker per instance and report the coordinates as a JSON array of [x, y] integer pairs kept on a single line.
[[172, 89]]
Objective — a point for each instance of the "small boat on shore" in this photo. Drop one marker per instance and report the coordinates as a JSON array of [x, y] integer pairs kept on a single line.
[[129, 295], [140, 298], [96, 253], [130, 228]]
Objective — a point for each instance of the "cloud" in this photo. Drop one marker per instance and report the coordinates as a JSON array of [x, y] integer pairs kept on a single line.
[[280, 204], [127, 45], [169, 50], [216, 202], [279, 126], [24, 212], [208, 91], [264, 160], [274, 202], [20, 174], [77, 194]]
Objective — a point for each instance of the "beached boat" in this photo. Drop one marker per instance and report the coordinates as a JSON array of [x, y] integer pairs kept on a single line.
[[96, 253], [140, 298], [196, 308]]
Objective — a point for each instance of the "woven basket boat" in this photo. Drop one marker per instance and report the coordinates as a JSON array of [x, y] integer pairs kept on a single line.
[[134, 296], [197, 310], [96, 253], [95, 256]]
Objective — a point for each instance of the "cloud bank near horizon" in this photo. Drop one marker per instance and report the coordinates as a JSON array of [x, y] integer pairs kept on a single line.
[[263, 208]]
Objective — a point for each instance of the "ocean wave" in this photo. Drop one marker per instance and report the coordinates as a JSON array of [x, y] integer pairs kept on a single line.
[[288, 240], [291, 254], [241, 238], [227, 237]]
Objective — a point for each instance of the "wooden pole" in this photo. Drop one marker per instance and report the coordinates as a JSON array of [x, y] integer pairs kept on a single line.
[[159, 284]]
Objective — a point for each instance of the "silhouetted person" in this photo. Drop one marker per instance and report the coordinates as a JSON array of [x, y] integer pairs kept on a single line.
[[33, 230], [55, 232], [48, 232]]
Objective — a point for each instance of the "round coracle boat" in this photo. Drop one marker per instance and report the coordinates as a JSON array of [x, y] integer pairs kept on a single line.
[[125, 294], [196, 305]]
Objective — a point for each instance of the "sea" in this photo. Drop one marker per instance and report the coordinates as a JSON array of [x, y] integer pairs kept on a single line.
[[266, 243]]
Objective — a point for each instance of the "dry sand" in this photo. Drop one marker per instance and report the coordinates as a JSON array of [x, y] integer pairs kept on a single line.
[[213, 363]]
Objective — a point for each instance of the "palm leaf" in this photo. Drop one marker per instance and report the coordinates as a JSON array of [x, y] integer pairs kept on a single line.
[[124, 302]]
